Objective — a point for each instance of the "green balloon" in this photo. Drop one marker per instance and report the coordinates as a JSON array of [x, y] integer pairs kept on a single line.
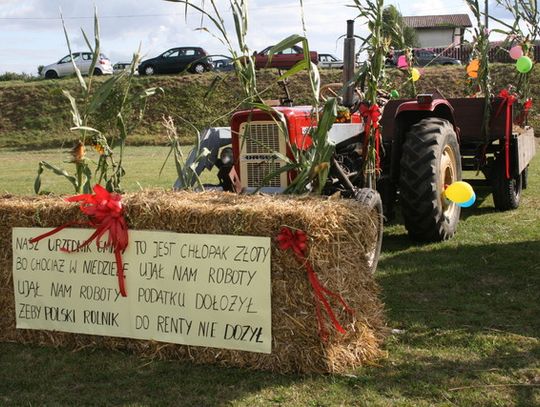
[[394, 94], [524, 64]]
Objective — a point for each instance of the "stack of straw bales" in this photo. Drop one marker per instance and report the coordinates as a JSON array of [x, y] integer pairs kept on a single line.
[[339, 230]]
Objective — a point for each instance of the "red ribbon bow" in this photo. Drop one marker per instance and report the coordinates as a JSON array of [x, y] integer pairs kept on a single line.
[[106, 215], [508, 100], [371, 114], [297, 242]]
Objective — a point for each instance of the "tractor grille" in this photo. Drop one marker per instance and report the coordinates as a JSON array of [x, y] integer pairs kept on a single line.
[[261, 137], [259, 142], [257, 172]]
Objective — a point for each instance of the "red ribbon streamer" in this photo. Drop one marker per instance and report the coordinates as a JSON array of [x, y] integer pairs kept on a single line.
[[297, 242], [106, 215], [508, 100], [372, 114]]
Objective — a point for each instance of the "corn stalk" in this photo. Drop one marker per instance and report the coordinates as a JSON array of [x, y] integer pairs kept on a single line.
[[525, 13], [376, 45], [109, 167], [480, 52], [311, 165]]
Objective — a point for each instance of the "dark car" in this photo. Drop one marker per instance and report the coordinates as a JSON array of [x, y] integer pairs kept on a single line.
[[175, 60], [423, 57], [285, 59], [223, 65]]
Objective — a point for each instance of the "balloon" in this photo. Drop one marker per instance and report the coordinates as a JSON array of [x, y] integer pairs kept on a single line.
[[394, 94], [472, 68], [516, 52], [459, 192], [524, 64], [469, 203], [415, 74], [402, 62]]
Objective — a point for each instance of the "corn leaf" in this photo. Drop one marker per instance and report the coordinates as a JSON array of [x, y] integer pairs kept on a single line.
[[74, 109], [284, 44], [56, 170], [82, 83], [299, 66]]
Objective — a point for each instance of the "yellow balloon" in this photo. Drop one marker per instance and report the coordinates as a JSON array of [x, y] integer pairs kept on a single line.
[[415, 74], [459, 192]]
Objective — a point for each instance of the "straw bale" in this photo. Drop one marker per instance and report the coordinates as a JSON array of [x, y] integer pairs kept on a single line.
[[339, 231]]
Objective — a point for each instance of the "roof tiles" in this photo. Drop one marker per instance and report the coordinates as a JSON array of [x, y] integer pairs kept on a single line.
[[448, 20]]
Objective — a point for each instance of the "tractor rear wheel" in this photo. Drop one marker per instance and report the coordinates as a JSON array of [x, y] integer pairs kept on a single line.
[[430, 162], [506, 192], [372, 200]]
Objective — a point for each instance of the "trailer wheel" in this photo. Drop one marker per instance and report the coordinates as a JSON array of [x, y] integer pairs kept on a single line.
[[506, 192], [371, 198], [430, 161]]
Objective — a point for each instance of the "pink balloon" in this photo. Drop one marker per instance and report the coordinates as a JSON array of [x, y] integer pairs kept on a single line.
[[402, 62], [516, 52]]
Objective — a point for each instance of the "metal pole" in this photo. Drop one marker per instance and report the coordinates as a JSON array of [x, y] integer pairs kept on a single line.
[[348, 63]]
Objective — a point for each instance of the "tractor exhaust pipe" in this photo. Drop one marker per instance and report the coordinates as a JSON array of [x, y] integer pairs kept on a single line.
[[348, 64]]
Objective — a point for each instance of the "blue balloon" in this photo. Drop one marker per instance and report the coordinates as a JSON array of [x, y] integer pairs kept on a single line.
[[470, 202]]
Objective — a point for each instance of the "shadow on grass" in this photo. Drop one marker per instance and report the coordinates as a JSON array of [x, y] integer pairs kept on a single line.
[[486, 286], [33, 375], [436, 380]]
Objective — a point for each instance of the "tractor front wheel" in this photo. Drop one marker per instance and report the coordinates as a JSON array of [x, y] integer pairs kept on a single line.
[[372, 200], [430, 162]]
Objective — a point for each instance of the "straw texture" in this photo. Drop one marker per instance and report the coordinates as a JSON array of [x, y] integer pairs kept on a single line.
[[339, 232]]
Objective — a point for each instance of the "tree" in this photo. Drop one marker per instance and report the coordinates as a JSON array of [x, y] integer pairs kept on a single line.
[[400, 35]]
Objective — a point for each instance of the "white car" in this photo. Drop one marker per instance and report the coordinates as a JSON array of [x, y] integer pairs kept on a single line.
[[330, 61], [83, 60]]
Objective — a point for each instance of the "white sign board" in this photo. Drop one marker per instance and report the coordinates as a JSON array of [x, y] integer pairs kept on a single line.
[[203, 290]]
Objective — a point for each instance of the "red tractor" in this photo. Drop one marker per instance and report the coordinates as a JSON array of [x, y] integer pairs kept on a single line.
[[427, 143]]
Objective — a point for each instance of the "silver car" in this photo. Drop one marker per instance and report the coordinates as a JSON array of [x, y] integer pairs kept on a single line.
[[330, 61], [83, 60]]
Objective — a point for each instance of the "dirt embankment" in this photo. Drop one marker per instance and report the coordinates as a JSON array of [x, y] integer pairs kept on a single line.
[[36, 114]]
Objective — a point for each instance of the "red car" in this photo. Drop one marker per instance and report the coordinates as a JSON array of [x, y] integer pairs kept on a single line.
[[285, 59]]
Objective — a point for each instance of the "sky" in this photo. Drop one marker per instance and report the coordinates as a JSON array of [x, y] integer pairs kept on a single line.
[[31, 31]]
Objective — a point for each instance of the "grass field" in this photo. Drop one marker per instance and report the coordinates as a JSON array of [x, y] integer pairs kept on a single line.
[[465, 315], [18, 170]]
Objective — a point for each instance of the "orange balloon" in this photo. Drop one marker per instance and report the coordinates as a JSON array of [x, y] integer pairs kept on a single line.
[[472, 68]]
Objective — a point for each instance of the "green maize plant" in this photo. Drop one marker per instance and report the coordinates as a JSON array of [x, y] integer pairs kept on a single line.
[[481, 84], [523, 32], [311, 165], [128, 110], [372, 72]]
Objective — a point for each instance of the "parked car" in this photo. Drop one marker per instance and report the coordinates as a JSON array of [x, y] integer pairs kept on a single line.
[[223, 65], [330, 61], [285, 59], [83, 61], [423, 57], [175, 60], [122, 66]]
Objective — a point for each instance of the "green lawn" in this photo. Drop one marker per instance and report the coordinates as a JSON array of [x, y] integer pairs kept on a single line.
[[18, 169], [465, 315]]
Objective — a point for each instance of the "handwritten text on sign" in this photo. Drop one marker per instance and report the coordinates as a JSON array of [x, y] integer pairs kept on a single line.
[[204, 290]]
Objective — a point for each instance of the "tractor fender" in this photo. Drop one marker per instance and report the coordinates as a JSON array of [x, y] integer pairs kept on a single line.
[[411, 112]]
